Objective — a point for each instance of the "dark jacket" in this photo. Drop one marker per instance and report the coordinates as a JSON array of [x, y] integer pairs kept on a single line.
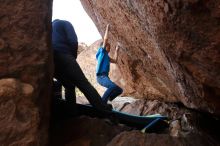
[[64, 38]]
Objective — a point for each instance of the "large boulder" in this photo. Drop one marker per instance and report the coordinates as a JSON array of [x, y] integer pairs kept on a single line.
[[169, 50], [84, 131], [136, 138], [25, 72], [182, 121]]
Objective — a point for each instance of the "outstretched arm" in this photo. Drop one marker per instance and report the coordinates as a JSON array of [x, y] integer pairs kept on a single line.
[[116, 55], [105, 36]]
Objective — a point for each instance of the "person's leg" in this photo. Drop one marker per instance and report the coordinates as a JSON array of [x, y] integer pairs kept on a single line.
[[115, 92], [112, 89], [105, 82], [71, 74], [57, 96], [107, 94], [70, 97], [57, 89], [70, 94]]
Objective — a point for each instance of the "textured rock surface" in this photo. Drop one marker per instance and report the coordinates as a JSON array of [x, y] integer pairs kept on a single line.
[[81, 47], [18, 113], [185, 126], [84, 131], [169, 49], [25, 57], [136, 138], [183, 122]]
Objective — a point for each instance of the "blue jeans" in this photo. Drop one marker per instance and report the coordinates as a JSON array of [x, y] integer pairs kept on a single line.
[[112, 91]]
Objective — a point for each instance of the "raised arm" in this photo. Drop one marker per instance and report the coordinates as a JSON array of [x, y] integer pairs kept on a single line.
[[116, 55], [105, 36]]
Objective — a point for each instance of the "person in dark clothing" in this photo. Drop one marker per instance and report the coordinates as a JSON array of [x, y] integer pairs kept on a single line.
[[64, 40], [67, 70], [103, 67]]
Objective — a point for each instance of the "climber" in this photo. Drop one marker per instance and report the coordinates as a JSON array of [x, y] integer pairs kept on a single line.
[[66, 70], [103, 67]]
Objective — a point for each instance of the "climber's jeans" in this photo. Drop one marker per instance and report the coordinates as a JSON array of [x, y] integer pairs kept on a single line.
[[112, 91], [69, 73]]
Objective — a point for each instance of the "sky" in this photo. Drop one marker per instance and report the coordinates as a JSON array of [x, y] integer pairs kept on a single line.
[[73, 11]]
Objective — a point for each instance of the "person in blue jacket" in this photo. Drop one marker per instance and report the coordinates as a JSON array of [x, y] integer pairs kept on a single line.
[[66, 70], [103, 67]]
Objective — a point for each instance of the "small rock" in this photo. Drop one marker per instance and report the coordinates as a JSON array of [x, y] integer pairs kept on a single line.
[[27, 89], [175, 128], [185, 122]]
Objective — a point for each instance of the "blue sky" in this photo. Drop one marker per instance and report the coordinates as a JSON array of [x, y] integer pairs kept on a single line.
[[73, 11]]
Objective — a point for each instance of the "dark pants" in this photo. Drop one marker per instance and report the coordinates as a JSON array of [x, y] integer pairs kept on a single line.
[[69, 73], [63, 108], [57, 89], [112, 91]]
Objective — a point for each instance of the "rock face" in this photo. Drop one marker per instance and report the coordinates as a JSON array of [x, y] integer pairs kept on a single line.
[[81, 47], [25, 72], [187, 127], [84, 131], [169, 49], [136, 138], [182, 121]]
